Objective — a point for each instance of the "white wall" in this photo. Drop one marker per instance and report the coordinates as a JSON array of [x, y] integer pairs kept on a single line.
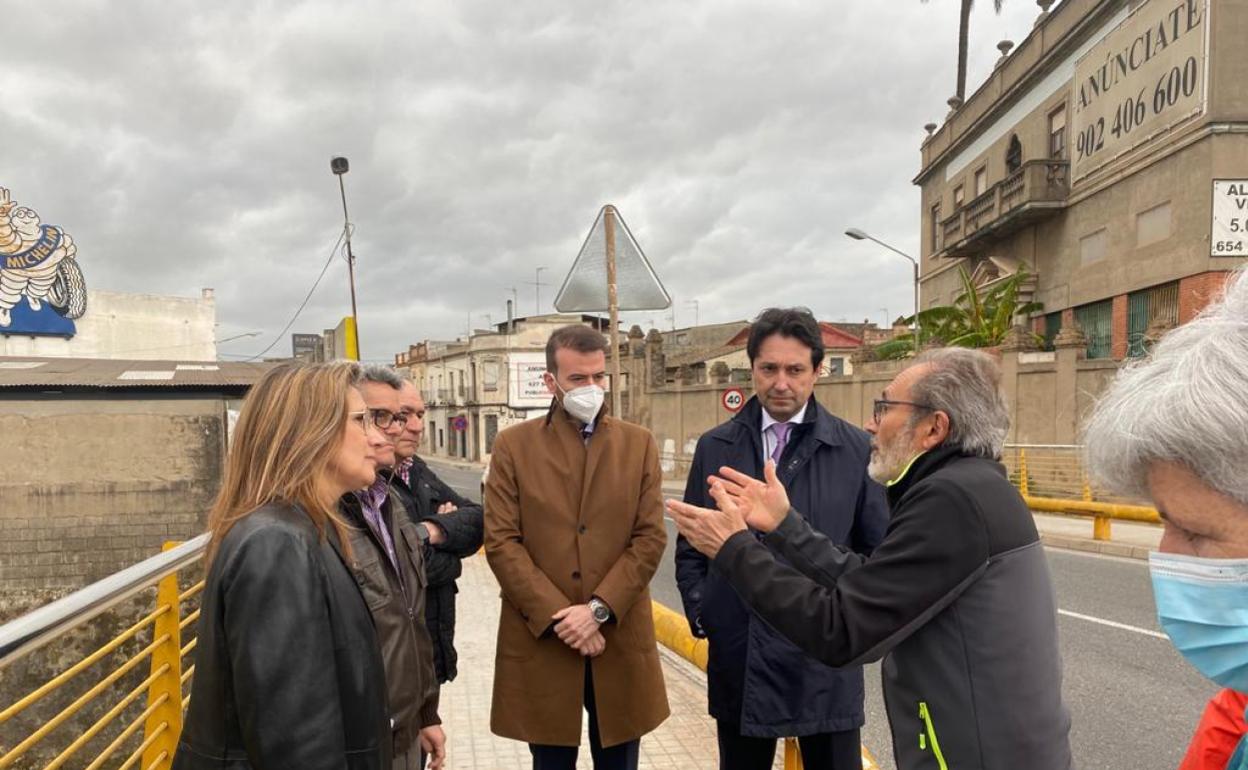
[[136, 326]]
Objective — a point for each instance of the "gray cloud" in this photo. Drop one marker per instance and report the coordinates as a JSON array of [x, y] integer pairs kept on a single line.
[[187, 145]]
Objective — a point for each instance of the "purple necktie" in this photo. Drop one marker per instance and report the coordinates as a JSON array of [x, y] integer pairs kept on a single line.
[[779, 431]]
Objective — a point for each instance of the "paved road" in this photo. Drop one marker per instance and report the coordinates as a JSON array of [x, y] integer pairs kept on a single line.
[[1133, 700]]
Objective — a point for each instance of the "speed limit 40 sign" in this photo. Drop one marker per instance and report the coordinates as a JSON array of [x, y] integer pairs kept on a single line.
[[733, 399]]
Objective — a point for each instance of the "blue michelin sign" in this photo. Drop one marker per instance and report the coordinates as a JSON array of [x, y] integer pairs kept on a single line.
[[42, 289]]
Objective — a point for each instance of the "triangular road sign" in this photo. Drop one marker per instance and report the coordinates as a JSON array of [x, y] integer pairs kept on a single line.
[[585, 288]]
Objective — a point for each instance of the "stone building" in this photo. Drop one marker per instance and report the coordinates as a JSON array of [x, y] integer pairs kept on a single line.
[[1107, 155]]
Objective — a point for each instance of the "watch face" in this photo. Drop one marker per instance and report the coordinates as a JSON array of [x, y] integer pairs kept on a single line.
[[601, 613]]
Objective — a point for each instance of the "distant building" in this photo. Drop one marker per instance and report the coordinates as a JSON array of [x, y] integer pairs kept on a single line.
[[475, 388], [1107, 155]]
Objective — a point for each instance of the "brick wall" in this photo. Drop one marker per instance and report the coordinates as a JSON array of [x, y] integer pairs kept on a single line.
[[88, 487], [1118, 346], [1197, 291]]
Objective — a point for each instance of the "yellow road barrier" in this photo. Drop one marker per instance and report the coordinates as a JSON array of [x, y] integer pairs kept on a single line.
[[672, 631]]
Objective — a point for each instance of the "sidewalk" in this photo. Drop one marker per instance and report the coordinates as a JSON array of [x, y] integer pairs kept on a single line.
[[685, 740]]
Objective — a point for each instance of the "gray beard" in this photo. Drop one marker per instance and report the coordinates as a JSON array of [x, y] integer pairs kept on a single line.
[[888, 461]]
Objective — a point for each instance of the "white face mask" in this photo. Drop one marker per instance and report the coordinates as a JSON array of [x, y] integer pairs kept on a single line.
[[584, 402]]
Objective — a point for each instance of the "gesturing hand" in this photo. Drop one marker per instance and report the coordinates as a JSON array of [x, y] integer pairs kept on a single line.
[[763, 504], [575, 625], [707, 529]]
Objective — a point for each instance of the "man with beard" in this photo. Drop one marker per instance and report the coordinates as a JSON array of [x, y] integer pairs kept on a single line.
[[956, 599], [761, 687]]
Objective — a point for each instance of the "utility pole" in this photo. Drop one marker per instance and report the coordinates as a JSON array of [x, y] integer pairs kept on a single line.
[[537, 289], [341, 166], [613, 309]]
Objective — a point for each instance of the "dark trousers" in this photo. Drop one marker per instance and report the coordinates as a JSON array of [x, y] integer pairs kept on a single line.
[[822, 751], [621, 757]]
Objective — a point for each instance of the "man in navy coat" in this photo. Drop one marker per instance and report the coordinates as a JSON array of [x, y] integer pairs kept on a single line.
[[760, 686]]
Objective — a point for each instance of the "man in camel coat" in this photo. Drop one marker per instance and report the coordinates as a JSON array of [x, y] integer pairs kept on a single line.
[[574, 531]]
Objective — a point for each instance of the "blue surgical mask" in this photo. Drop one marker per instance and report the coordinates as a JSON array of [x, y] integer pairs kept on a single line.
[[1203, 607]]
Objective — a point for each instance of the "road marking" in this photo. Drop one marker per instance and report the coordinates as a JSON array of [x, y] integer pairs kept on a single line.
[[1113, 624]]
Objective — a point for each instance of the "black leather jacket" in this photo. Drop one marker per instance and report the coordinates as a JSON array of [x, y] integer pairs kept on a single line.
[[287, 668]]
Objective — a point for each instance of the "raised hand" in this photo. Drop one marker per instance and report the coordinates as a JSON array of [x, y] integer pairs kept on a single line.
[[707, 529], [763, 504]]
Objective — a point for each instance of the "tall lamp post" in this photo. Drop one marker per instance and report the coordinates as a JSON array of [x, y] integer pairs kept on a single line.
[[859, 235], [340, 166]]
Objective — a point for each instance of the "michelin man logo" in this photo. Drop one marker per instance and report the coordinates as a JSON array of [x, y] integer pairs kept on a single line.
[[37, 263]]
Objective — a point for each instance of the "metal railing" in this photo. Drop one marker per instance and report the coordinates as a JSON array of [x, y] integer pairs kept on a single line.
[[1052, 478], [159, 639]]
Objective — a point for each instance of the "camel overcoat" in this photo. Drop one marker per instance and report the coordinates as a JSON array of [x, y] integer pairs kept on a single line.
[[564, 522]]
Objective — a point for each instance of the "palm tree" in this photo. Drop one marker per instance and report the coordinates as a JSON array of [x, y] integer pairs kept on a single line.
[[964, 33], [972, 321]]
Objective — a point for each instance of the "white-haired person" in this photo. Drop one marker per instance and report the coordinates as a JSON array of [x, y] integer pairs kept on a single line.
[[1173, 428]]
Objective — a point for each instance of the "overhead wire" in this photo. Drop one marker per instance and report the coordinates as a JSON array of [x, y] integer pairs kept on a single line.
[[303, 304]]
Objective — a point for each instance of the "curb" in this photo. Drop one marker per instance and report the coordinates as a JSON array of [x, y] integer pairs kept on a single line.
[[672, 631], [1102, 547]]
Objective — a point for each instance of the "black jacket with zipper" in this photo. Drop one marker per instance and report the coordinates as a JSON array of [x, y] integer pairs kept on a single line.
[[956, 599], [464, 530]]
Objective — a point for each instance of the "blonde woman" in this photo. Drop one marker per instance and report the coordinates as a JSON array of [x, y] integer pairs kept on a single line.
[[288, 671]]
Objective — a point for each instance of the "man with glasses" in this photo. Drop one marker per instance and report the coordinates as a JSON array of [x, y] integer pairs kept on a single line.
[[388, 559], [760, 686], [956, 599], [452, 523]]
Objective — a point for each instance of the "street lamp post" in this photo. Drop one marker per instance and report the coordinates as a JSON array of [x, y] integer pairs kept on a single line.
[[859, 235], [340, 166]]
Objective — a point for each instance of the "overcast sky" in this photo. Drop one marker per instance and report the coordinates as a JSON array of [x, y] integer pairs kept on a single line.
[[187, 145]]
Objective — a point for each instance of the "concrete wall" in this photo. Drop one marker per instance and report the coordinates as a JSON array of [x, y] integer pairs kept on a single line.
[[91, 485], [135, 326]]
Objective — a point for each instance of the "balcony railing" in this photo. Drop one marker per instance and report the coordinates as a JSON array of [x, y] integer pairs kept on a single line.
[[1036, 190]]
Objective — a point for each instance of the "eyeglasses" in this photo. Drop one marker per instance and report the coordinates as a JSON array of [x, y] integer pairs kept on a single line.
[[882, 405], [362, 418], [384, 418]]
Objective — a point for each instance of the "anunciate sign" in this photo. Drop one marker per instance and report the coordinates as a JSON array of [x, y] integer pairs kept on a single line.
[[1229, 237], [1145, 76]]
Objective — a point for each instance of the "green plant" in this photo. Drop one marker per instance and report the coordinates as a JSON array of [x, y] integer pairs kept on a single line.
[[972, 321]]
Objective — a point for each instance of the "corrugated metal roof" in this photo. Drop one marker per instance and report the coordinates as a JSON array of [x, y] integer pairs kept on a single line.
[[33, 372]]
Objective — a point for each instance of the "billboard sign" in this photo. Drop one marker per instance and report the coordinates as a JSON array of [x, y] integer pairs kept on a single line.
[[42, 289], [1145, 77]]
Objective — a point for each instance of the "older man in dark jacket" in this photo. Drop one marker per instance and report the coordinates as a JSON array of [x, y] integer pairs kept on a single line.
[[760, 685], [450, 523], [956, 599], [389, 565]]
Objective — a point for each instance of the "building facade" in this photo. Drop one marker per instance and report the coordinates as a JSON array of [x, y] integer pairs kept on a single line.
[[1107, 156], [475, 388]]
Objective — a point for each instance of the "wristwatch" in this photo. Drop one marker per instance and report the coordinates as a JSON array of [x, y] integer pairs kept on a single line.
[[600, 610]]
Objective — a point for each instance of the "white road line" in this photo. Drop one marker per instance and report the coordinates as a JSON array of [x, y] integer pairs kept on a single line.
[[1113, 624]]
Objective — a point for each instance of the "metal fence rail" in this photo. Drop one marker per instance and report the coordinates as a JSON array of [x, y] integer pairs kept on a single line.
[[164, 687]]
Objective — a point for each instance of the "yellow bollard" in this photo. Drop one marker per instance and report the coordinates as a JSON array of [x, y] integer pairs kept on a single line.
[[166, 720], [792, 755], [1100, 528], [1022, 473]]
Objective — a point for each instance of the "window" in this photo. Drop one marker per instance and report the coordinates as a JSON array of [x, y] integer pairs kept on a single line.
[[1092, 247], [1097, 322], [935, 231], [959, 195], [981, 181], [1052, 325], [1153, 225], [1158, 304], [1014, 155], [1057, 133]]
